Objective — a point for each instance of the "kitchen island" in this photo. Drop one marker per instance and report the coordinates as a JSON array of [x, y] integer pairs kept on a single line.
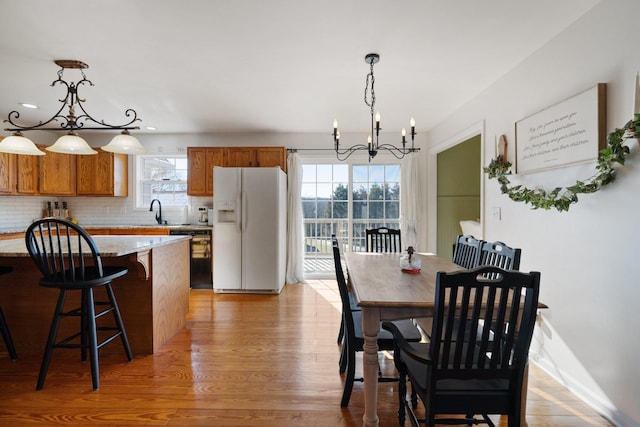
[[153, 296]]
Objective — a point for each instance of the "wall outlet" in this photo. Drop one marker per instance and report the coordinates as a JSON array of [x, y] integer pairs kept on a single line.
[[497, 213]]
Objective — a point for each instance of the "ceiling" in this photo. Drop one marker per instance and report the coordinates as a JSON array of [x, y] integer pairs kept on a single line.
[[200, 66]]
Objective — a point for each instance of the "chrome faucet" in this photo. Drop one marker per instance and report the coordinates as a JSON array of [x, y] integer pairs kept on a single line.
[[159, 214]]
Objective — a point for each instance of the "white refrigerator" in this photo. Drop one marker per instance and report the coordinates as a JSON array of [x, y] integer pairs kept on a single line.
[[249, 229]]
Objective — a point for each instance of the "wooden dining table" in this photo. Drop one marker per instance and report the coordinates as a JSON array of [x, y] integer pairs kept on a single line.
[[384, 292]]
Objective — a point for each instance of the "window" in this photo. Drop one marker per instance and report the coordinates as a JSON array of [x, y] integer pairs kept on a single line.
[[376, 200], [163, 178], [345, 200]]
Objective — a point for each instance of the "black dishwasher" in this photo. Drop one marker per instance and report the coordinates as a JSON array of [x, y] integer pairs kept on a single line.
[[201, 263]]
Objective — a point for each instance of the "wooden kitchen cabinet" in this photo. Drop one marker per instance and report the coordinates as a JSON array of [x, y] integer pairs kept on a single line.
[[57, 174], [7, 173], [103, 174], [27, 175], [18, 174], [201, 161], [244, 157]]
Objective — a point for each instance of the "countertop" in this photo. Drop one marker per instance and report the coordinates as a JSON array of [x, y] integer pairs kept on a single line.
[[88, 227], [169, 226], [109, 246]]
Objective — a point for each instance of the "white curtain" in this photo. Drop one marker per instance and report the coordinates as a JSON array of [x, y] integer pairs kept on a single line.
[[295, 234], [410, 200]]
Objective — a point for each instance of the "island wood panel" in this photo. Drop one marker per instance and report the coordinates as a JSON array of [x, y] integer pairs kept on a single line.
[[153, 309], [171, 289]]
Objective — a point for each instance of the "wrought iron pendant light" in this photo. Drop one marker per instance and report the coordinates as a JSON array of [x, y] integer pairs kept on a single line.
[[75, 119], [373, 144]]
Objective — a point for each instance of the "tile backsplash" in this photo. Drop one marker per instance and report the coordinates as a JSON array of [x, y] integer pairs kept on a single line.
[[17, 212]]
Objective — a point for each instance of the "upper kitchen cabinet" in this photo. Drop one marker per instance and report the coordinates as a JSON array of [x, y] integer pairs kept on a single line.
[[27, 175], [18, 174], [7, 173], [103, 174], [201, 161], [57, 174], [256, 157]]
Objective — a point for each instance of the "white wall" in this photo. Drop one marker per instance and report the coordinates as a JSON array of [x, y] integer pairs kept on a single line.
[[587, 257]]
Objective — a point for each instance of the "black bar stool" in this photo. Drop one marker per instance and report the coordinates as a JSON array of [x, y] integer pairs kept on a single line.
[[6, 336], [69, 260]]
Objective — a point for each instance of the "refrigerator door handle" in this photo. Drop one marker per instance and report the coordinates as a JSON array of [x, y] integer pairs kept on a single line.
[[238, 209], [244, 211]]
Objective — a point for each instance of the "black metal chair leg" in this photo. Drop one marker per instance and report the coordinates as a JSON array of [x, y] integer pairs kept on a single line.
[[51, 341], [341, 331], [7, 337]]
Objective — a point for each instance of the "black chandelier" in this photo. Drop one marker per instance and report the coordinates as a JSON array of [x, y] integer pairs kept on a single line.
[[74, 119], [373, 143]]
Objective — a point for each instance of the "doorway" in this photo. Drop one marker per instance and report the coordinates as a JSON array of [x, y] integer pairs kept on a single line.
[[458, 191]]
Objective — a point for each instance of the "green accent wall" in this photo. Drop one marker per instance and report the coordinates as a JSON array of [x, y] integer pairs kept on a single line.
[[458, 198]]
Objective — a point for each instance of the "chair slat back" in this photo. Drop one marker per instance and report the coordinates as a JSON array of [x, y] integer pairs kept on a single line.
[[347, 312], [500, 255], [340, 277], [466, 252], [383, 239], [483, 323], [62, 250]]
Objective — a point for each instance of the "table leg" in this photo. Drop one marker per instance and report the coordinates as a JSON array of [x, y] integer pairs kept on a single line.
[[370, 327]]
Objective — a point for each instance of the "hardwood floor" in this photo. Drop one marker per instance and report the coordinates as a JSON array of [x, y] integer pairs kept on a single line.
[[243, 360]]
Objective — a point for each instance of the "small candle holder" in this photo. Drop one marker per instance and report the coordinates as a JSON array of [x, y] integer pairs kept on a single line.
[[410, 263]]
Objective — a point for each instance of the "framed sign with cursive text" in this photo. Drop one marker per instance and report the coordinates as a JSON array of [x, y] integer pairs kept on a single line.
[[572, 131]]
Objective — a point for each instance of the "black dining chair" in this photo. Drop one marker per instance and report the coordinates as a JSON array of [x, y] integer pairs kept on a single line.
[[383, 239], [500, 255], [380, 239], [4, 328], [467, 369], [466, 251], [69, 260], [354, 338], [352, 304]]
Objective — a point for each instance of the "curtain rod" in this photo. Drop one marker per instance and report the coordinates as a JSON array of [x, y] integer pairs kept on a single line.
[[295, 150]]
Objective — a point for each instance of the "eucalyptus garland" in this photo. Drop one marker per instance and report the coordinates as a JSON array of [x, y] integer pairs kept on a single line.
[[561, 198]]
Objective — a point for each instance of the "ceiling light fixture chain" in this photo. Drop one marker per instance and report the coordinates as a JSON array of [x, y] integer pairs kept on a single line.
[[373, 145], [71, 143], [369, 89]]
